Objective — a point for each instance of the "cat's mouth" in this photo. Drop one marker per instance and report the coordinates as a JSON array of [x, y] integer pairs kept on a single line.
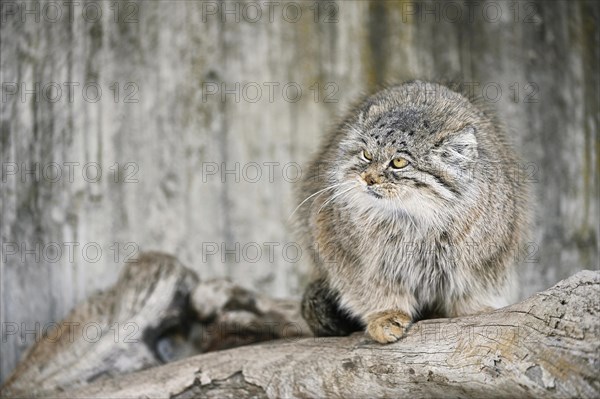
[[378, 191]]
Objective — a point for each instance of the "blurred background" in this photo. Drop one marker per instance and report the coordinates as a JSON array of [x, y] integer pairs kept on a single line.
[[182, 126]]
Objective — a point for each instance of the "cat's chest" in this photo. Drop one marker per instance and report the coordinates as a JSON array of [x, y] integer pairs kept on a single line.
[[398, 256], [401, 255], [384, 251]]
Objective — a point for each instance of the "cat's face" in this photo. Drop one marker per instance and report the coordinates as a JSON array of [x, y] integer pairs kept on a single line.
[[407, 156]]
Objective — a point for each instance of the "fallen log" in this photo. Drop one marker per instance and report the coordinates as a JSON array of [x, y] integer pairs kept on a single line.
[[109, 334], [546, 346], [157, 312]]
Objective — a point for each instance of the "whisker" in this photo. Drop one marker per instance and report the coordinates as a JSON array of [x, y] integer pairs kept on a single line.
[[335, 196], [312, 195]]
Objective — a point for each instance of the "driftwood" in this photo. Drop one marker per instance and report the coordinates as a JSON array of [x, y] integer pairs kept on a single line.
[[545, 346], [157, 312]]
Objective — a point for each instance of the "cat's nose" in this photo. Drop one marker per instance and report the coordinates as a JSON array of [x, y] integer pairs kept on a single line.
[[371, 179]]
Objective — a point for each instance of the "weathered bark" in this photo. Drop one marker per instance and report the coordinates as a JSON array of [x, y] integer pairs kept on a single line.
[[546, 346], [156, 313], [233, 316], [112, 332]]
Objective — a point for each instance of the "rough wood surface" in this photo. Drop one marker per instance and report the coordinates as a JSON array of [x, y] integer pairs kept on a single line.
[[157, 312], [230, 316], [546, 346], [542, 54], [111, 333]]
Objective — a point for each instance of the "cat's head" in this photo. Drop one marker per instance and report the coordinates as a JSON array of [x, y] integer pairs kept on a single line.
[[409, 148]]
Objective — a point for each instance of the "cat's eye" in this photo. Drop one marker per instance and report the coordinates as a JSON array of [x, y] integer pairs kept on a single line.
[[399, 163], [367, 155]]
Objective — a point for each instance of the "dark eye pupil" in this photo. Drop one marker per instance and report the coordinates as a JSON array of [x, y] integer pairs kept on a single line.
[[398, 163]]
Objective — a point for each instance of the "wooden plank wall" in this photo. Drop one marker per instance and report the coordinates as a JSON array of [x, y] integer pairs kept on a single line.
[[192, 89]]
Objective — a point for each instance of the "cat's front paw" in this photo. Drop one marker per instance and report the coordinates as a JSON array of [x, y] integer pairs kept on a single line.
[[388, 326]]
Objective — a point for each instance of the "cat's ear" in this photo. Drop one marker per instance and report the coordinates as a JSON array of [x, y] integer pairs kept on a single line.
[[462, 144]]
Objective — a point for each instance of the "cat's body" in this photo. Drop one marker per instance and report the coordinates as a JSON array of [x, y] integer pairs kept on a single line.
[[415, 209]]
